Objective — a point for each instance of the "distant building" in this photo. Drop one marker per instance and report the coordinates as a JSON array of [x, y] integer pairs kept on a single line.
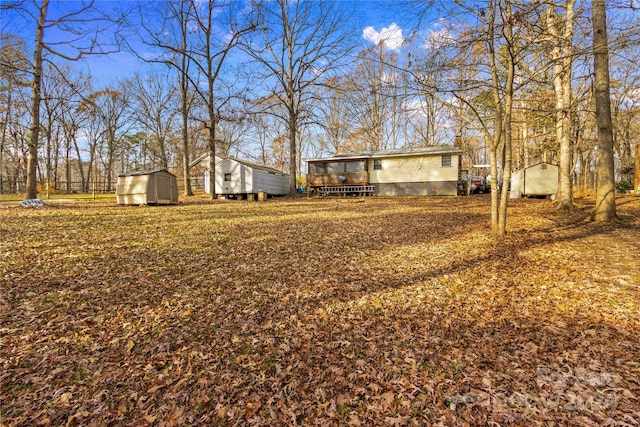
[[536, 180]]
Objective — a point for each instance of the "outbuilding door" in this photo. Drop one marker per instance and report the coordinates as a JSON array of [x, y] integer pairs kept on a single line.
[[163, 188]]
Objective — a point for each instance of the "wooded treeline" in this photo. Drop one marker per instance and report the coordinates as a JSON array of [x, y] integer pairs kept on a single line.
[[510, 83]]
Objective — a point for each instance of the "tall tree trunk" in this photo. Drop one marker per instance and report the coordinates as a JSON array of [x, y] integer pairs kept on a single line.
[[212, 161], [83, 186], [47, 164], [213, 121], [111, 144], [67, 166], [562, 29], [91, 169], [163, 152], [497, 227], [1, 165], [508, 113], [636, 180], [184, 104], [4, 136], [36, 93], [565, 187], [292, 152], [605, 189], [56, 159], [185, 138]]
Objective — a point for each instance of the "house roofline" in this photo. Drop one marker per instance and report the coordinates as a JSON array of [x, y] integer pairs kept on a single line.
[[339, 158], [423, 151]]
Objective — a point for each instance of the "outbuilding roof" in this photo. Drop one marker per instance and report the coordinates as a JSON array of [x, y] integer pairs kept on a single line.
[[149, 172], [253, 165]]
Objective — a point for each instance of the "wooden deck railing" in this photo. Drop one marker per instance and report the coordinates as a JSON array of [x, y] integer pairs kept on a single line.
[[366, 190]]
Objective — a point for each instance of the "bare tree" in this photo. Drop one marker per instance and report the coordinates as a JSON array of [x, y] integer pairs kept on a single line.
[[265, 129], [636, 179], [334, 113], [209, 30], [36, 88], [57, 94], [209, 56], [154, 107], [492, 49], [605, 190], [181, 63], [560, 29], [372, 88], [299, 44], [72, 121], [170, 35], [502, 93], [13, 78], [110, 107], [231, 132], [93, 132], [81, 25]]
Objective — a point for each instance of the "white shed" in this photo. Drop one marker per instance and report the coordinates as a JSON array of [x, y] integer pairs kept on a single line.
[[240, 178], [536, 180], [156, 187]]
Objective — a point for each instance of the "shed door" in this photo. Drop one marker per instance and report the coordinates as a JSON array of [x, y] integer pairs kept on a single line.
[[163, 188]]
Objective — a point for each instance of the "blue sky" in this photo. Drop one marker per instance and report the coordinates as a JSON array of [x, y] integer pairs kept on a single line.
[[372, 22]]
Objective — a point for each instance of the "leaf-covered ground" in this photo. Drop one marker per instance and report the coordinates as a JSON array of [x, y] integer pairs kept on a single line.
[[337, 312]]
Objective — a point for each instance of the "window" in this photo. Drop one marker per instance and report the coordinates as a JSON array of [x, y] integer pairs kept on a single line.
[[357, 166], [335, 167], [446, 160], [227, 177], [317, 168], [377, 165]]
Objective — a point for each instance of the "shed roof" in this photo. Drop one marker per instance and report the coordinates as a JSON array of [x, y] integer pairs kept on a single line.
[[373, 154], [149, 172]]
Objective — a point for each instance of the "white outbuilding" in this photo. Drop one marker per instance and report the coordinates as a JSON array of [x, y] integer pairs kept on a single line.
[[536, 180], [241, 178]]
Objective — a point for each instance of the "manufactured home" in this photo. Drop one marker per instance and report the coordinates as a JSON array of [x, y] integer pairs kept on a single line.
[[536, 180], [156, 187], [241, 178], [421, 171]]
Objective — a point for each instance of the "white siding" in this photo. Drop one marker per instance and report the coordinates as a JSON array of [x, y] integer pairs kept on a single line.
[[414, 169], [537, 180], [246, 180], [516, 184], [272, 183], [541, 180], [238, 183]]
